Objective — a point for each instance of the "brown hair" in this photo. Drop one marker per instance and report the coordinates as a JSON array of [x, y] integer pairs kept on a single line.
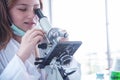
[[5, 30]]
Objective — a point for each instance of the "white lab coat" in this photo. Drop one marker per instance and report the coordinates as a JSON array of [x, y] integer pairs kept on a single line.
[[12, 68]]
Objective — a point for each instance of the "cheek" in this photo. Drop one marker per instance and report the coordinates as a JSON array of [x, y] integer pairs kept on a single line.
[[16, 18], [15, 15]]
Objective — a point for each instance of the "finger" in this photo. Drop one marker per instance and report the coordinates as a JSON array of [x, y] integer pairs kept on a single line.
[[64, 39], [36, 33], [33, 30], [36, 40]]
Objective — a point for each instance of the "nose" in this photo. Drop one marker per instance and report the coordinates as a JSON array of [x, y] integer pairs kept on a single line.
[[31, 14]]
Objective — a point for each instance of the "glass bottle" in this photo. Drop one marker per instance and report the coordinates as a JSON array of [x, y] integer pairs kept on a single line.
[[115, 71], [99, 76]]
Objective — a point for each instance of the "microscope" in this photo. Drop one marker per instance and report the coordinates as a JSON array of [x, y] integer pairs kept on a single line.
[[62, 51]]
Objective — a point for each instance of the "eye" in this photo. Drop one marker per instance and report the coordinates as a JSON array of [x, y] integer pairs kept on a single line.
[[22, 9]]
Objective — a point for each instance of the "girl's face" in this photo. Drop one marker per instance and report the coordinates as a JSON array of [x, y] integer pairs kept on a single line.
[[22, 14]]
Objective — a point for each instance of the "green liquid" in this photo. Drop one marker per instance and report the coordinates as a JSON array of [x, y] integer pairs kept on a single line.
[[115, 75]]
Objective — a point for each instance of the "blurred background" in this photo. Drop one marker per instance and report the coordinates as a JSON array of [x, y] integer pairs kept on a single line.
[[95, 23]]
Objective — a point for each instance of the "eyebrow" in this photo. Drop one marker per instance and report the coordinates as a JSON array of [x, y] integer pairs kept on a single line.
[[27, 5], [21, 4]]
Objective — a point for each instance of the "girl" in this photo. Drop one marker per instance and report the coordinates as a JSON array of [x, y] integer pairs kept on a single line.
[[18, 48]]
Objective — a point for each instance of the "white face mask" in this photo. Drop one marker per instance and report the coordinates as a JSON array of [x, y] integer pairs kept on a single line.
[[17, 30]]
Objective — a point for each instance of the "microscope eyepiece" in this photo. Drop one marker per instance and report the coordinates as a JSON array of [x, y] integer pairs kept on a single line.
[[39, 13]]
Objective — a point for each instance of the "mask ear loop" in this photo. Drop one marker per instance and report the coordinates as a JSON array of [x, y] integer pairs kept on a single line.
[[7, 11]]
